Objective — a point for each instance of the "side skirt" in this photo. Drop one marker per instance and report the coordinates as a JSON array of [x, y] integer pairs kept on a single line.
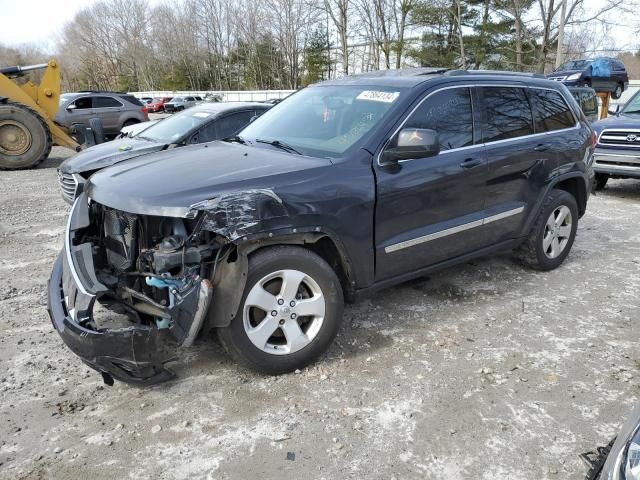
[[389, 282]]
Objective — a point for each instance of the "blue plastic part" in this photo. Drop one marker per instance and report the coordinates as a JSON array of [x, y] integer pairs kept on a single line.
[[162, 323], [163, 283], [600, 68]]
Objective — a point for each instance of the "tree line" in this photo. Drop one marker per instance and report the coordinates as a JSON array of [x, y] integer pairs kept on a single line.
[[131, 45]]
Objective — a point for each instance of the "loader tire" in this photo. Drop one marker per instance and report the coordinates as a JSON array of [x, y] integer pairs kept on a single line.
[[25, 139]]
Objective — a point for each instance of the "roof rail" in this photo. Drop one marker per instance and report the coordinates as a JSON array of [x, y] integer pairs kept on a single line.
[[102, 91], [454, 73]]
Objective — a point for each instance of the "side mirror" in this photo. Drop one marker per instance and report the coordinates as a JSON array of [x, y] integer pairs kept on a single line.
[[71, 107], [413, 143], [615, 109]]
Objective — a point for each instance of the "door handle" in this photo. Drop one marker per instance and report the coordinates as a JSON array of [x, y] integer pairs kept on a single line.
[[471, 162], [543, 147]]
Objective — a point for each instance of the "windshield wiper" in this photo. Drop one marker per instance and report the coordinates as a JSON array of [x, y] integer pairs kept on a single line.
[[235, 138], [280, 145], [630, 111]]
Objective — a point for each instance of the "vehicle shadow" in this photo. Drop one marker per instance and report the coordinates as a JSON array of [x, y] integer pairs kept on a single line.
[[622, 188]]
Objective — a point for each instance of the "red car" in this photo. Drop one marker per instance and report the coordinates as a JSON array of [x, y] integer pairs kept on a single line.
[[157, 104]]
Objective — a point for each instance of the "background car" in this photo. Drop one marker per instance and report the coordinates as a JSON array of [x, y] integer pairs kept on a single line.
[[199, 124], [180, 103], [115, 110], [157, 104], [617, 152], [602, 74], [145, 100]]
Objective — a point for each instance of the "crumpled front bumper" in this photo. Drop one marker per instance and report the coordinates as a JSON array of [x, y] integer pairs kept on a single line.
[[135, 354]]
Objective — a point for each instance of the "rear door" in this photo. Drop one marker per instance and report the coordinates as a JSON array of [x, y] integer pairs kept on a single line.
[[108, 109], [429, 209], [554, 117], [517, 158]]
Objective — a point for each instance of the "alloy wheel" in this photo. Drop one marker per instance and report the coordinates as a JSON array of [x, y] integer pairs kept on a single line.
[[283, 312], [557, 232]]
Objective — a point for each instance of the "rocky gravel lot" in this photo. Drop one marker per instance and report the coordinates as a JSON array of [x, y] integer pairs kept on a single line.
[[483, 371]]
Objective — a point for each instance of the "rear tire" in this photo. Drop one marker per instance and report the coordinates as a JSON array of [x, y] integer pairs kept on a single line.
[[553, 233], [600, 181], [617, 93], [307, 316], [25, 139]]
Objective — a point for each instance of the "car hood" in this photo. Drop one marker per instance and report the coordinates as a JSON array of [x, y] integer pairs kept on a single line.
[[620, 121], [168, 183], [109, 153], [564, 73]]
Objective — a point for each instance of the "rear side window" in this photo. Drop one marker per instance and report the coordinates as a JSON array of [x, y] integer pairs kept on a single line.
[[507, 114], [552, 112], [105, 102], [449, 113]]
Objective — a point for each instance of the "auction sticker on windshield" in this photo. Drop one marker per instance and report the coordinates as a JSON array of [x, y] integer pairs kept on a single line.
[[378, 96]]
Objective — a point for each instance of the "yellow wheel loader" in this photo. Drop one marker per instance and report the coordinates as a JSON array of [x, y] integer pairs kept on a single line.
[[27, 128]]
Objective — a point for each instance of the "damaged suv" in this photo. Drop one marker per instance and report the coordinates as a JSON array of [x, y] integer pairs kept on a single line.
[[346, 187]]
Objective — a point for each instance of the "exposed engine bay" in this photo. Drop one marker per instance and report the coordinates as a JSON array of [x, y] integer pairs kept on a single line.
[[156, 269]]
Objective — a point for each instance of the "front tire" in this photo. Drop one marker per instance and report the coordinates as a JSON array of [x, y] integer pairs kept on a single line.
[[553, 233], [617, 93], [291, 311], [25, 139], [600, 181]]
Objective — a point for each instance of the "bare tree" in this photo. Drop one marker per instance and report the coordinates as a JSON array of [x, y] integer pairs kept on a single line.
[[339, 11]]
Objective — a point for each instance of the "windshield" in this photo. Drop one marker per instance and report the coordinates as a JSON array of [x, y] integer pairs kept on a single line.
[[177, 99], [633, 105], [574, 65], [324, 121], [172, 129]]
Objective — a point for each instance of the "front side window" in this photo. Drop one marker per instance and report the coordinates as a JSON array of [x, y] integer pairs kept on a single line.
[[325, 121], [507, 113], [83, 103], [232, 124], [552, 112], [449, 113]]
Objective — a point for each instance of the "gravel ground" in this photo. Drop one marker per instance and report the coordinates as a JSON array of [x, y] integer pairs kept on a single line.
[[484, 371]]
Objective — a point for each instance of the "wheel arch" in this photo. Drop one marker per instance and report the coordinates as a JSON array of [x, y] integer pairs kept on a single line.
[[575, 185], [230, 279]]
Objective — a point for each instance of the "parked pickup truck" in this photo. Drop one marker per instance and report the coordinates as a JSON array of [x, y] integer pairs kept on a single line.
[[344, 188], [618, 148]]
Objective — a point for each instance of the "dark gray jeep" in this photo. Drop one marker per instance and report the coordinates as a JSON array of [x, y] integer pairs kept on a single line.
[[343, 188]]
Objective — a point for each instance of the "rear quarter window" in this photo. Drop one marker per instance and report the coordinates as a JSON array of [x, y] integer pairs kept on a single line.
[[552, 111], [507, 113]]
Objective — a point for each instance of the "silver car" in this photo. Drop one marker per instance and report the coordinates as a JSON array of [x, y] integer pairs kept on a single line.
[[180, 103], [115, 110]]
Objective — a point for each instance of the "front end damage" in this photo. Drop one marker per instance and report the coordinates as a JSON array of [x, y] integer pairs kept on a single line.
[[129, 288]]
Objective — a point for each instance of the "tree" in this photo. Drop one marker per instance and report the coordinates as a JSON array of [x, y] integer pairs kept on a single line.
[[317, 62]]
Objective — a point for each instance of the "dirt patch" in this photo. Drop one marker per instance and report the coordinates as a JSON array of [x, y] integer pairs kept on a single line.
[[487, 370]]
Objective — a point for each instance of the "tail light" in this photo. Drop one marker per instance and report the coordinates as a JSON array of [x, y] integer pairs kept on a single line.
[[145, 111]]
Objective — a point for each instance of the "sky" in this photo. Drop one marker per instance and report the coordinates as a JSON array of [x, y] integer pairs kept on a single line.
[[40, 22]]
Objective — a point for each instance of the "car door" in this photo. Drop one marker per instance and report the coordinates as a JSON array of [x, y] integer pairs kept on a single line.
[[108, 109], [554, 117], [518, 158], [428, 209], [80, 110]]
